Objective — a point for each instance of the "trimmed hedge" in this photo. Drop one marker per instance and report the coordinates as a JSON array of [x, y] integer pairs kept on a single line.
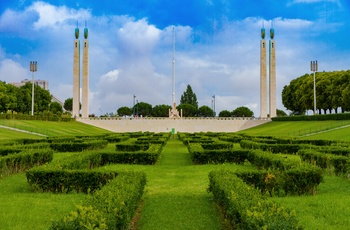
[[112, 207], [9, 116], [245, 207], [275, 148], [78, 145], [320, 117], [19, 162]]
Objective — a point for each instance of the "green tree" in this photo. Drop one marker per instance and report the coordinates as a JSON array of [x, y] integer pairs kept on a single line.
[[143, 108], [205, 111], [280, 113], [188, 110], [56, 108], [124, 111], [161, 110], [8, 97], [242, 112], [189, 97], [225, 113]]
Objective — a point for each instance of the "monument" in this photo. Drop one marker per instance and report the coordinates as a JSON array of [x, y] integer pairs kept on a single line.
[[263, 80], [272, 74], [85, 85], [76, 75], [173, 113]]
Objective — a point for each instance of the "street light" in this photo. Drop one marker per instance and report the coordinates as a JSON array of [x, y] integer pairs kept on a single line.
[[33, 68], [133, 108], [314, 68], [214, 105]]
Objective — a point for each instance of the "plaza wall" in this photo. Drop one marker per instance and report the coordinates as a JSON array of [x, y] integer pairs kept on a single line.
[[190, 125]]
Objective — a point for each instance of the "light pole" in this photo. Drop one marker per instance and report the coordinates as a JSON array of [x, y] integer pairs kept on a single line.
[[33, 68], [133, 108], [214, 105], [314, 68], [137, 107]]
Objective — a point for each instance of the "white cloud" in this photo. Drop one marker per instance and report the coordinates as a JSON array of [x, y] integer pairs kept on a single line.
[[52, 16], [11, 71]]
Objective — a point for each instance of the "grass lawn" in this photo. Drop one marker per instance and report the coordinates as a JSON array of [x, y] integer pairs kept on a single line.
[[294, 128], [53, 128], [6, 134]]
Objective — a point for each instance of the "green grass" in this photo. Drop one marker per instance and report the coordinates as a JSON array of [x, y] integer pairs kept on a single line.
[[52, 128], [20, 208], [294, 128], [175, 195], [6, 134], [329, 209]]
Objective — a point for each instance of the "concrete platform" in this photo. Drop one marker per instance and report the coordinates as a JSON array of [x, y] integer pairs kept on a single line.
[[189, 125]]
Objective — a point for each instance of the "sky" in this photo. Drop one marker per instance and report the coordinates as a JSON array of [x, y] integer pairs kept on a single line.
[[217, 47]]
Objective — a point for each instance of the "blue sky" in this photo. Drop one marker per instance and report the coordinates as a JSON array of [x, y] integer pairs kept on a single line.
[[217, 46]]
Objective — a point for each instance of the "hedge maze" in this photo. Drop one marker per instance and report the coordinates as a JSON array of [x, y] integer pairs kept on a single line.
[[283, 167], [113, 196]]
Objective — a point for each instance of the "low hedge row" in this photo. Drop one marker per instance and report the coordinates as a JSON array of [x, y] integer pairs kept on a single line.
[[201, 156], [147, 157], [78, 145], [296, 181], [9, 116], [112, 207], [275, 148], [24, 160], [245, 207], [340, 164], [267, 160], [320, 117]]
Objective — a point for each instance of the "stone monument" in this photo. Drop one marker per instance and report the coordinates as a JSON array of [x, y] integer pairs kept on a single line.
[[76, 75], [272, 74], [85, 80], [263, 79]]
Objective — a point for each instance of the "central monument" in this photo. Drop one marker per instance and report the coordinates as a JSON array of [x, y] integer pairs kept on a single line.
[[173, 113], [76, 75]]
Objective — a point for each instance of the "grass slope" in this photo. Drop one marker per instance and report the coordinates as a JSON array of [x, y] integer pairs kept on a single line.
[[6, 134], [52, 128]]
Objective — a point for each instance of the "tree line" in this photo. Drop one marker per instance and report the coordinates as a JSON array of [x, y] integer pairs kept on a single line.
[[188, 105], [332, 93], [19, 100]]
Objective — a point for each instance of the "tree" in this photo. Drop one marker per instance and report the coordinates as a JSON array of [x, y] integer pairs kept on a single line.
[[68, 104], [188, 110], [56, 108], [124, 111], [161, 110], [143, 108], [8, 97], [242, 112], [225, 113], [205, 111], [189, 97], [280, 113]]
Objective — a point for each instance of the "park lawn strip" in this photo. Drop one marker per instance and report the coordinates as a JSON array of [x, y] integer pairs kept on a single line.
[[329, 209], [6, 134], [293, 128], [54, 128], [22, 209]]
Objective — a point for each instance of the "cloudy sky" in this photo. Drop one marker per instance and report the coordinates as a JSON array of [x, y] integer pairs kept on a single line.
[[217, 46]]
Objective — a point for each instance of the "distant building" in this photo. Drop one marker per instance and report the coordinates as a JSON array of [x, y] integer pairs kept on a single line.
[[42, 83]]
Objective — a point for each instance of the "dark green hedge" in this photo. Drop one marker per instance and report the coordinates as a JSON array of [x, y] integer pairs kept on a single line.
[[79, 145], [245, 207], [274, 148], [24, 160], [35, 117]]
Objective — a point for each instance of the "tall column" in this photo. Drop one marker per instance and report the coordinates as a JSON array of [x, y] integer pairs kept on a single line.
[[85, 86], [76, 76], [272, 74], [263, 78]]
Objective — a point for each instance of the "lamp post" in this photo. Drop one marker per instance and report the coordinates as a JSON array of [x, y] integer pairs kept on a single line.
[[137, 107], [214, 105], [33, 68], [133, 108], [314, 68]]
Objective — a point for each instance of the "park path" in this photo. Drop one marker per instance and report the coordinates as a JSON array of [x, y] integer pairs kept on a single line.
[[176, 196]]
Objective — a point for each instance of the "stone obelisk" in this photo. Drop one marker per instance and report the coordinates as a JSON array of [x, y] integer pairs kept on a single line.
[[85, 85], [263, 78], [76, 76], [272, 74], [173, 113]]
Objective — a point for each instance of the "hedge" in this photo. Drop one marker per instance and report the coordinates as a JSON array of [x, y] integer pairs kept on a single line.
[[19, 162], [320, 117], [8, 116], [79, 145], [112, 207], [275, 148], [245, 207]]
